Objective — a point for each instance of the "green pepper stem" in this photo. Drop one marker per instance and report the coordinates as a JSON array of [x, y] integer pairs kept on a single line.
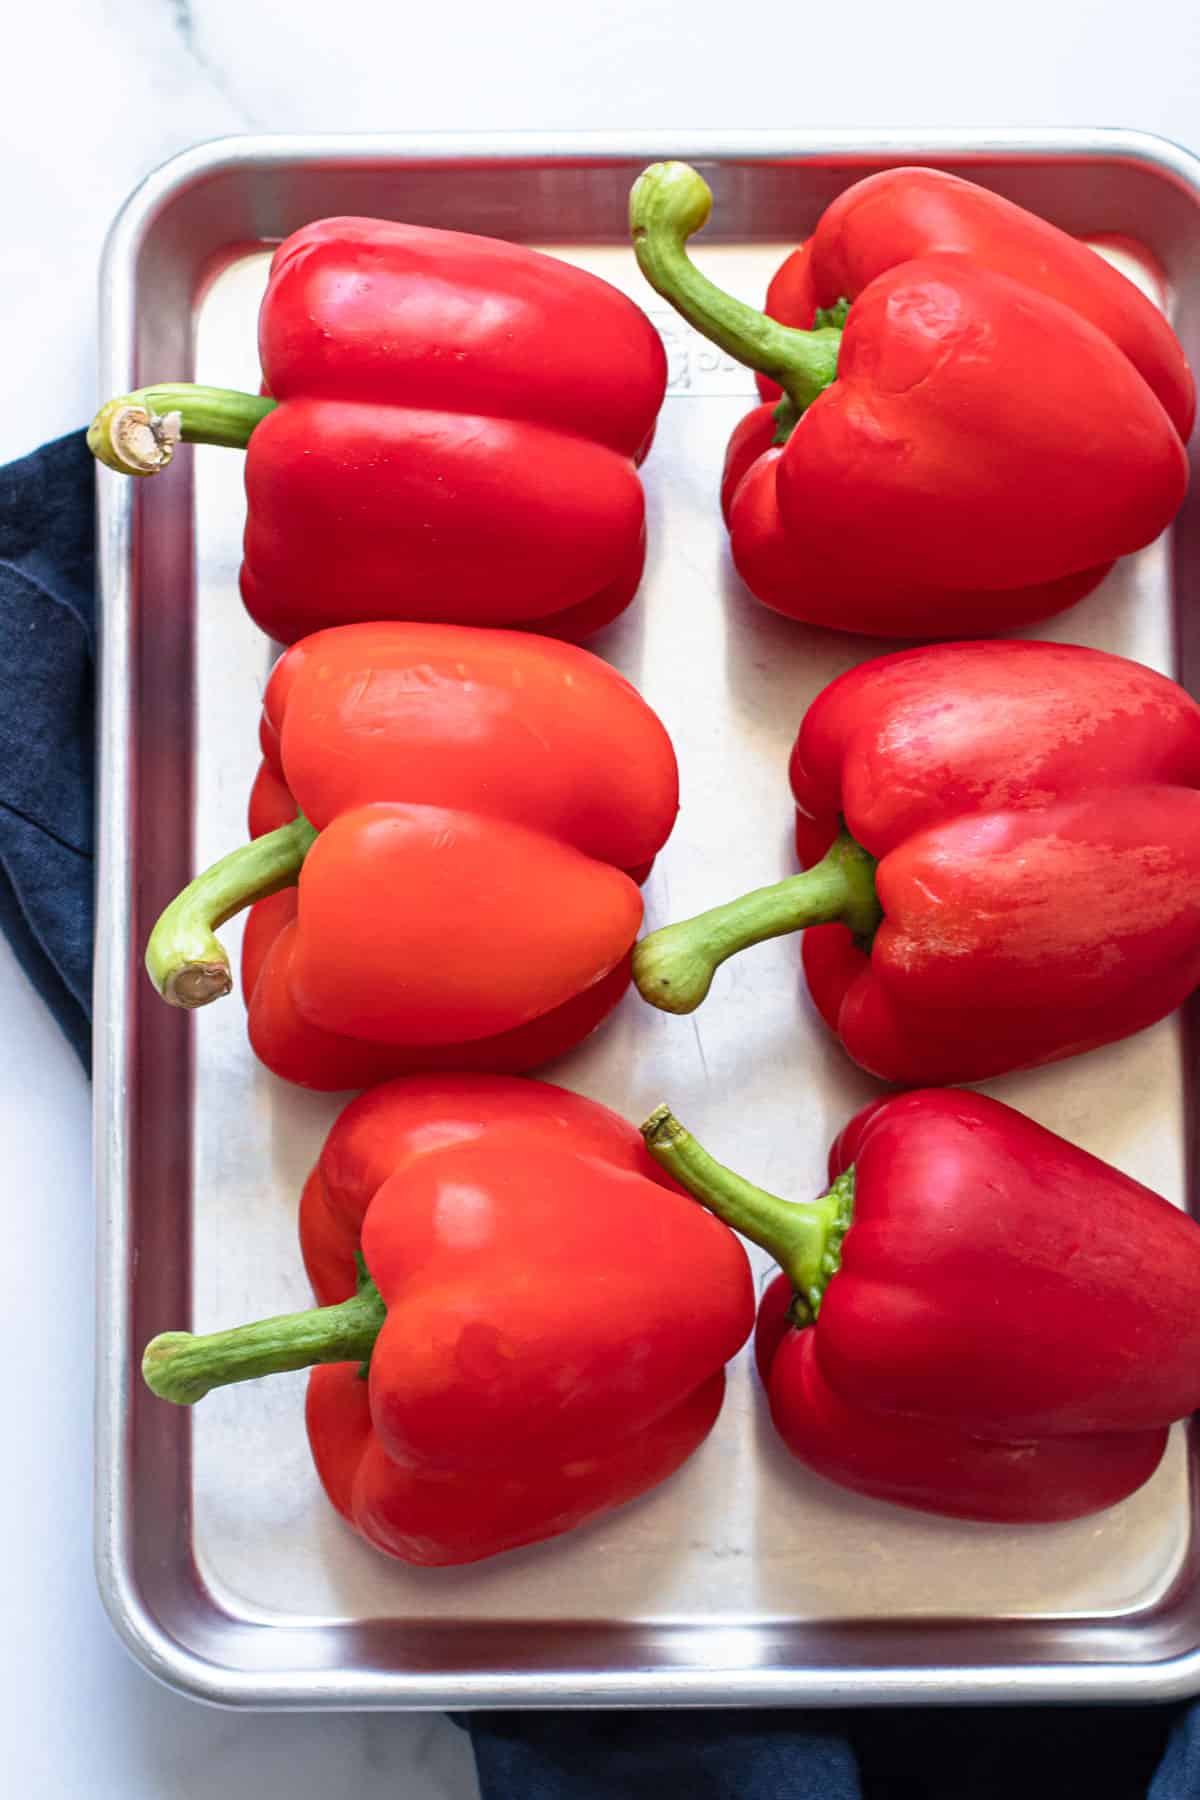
[[804, 1236], [181, 1368], [185, 960], [673, 967], [136, 434], [668, 204]]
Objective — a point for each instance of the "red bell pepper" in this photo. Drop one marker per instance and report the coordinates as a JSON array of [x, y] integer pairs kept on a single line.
[[1005, 1327], [476, 809], [545, 1317], [903, 214], [450, 430], [1011, 868], [996, 417]]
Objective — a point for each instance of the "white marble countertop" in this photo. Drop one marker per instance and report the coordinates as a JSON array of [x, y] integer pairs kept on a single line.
[[94, 96]]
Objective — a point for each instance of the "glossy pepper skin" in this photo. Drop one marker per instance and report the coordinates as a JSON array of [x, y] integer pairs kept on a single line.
[[1005, 1326], [903, 214], [450, 430], [996, 418], [547, 1318], [461, 889], [1012, 861]]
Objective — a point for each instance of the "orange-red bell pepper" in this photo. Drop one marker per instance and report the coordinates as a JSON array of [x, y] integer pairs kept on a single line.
[[476, 809]]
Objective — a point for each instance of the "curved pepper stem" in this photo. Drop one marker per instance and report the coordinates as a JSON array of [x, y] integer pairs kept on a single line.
[[668, 204], [804, 1236], [182, 1369], [136, 434], [184, 959], [673, 967]]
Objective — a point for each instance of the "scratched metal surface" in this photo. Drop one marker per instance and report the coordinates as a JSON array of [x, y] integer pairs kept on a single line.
[[744, 1577]]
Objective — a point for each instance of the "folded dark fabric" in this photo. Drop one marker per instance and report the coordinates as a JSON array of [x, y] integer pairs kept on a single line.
[[47, 660], [662, 1756], [47, 654], [1178, 1774], [926, 1753]]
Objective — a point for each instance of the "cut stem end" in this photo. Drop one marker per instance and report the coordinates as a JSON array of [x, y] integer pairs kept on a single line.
[[128, 437], [197, 984]]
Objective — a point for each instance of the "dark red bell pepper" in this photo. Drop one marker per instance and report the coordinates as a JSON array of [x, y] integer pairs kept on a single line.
[[977, 1319], [450, 430], [469, 814], [545, 1317], [1009, 873], [996, 417]]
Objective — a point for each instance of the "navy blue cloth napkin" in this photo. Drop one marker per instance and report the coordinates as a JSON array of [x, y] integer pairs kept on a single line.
[[47, 664], [997, 1753], [47, 654]]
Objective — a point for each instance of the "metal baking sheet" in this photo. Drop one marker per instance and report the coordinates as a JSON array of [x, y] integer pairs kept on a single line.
[[745, 1579]]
